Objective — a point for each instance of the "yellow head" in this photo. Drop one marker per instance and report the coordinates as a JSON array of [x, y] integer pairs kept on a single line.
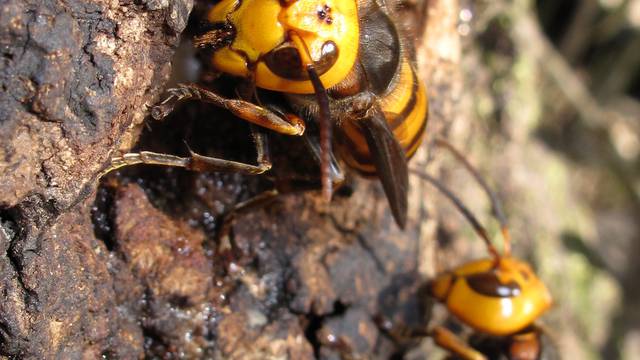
[[263, 46], [497, 300]]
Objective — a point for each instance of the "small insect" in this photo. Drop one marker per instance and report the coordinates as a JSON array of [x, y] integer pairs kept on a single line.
[[342, 68], [499, 297]]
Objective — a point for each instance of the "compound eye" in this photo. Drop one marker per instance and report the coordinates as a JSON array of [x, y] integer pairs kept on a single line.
[[285, 61], [488, 284]]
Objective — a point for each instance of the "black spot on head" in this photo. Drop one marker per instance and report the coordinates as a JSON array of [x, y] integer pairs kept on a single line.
[[324, 14], [487, 283]]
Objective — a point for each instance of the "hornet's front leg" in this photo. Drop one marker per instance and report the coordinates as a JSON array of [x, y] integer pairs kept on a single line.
[[281, 123], [287, 124], [441, 336], [197, 162]]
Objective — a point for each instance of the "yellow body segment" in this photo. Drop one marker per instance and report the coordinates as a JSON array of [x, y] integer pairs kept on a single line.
[[493, 315], [414, 123], [406, 108], [399, 96], [262, 25]]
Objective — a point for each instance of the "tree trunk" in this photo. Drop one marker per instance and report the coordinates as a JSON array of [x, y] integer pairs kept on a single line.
[[136, 266]]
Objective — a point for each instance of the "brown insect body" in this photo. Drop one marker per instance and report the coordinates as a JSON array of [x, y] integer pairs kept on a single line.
[[340, 66], [380, 109]]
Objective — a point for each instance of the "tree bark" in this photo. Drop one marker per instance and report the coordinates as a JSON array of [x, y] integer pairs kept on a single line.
[[136, 266], [75, 77]]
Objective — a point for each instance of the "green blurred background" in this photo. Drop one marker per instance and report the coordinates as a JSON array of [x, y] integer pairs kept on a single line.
[[555, 88]]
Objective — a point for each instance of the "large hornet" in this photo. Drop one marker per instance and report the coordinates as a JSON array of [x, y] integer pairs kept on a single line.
[[344, 72], [499, 297]]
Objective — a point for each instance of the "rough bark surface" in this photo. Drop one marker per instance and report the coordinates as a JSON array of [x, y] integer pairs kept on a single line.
[[75, 76], [139, 268]]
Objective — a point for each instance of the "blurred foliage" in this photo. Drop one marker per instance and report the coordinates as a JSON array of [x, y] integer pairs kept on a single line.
[[600, 42], [555, 86]]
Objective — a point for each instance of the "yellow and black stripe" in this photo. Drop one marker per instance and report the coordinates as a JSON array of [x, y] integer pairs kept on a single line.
[[405, 106]]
